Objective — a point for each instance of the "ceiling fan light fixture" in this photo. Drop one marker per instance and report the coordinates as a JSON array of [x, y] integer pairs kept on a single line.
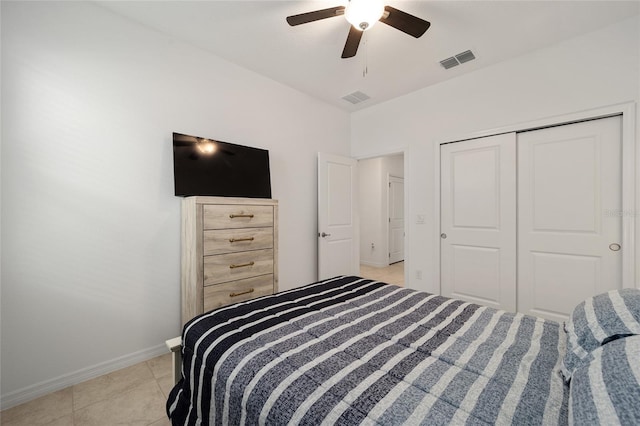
[[363, 14]]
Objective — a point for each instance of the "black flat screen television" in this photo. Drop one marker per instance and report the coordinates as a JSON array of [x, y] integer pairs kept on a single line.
[[204, 166]]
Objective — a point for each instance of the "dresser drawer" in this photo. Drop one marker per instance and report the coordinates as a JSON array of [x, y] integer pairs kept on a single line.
[[235, 266], [237, 291], [225, 216], [219, 241]]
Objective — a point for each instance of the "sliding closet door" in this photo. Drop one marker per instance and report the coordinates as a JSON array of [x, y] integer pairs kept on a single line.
[[478, 221], [569, 223]]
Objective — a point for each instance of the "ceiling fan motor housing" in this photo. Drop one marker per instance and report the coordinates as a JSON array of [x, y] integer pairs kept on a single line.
[[362, 14]]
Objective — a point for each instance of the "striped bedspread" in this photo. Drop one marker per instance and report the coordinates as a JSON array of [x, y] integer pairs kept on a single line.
[[354, 351]]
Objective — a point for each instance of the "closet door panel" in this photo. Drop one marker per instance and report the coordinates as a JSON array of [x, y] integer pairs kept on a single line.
[[548, 268], [478, 221], [569, 189], [476, 272]]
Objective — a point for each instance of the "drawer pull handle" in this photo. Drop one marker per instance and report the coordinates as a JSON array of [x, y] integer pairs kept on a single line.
[[242, 265], [235, 240], [232, 216], [241, 293]]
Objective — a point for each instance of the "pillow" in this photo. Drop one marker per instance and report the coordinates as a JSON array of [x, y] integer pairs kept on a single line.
[[598, 320], [605, 388]]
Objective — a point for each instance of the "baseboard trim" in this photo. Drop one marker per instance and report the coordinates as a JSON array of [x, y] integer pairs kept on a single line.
[[37, 390]]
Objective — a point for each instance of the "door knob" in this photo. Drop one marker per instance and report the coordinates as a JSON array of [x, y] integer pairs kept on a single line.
[[443, 236], [324, 234], [614, 247]]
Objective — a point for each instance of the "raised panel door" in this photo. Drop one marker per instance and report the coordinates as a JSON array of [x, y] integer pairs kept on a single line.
[[478, 221], [569, 205]]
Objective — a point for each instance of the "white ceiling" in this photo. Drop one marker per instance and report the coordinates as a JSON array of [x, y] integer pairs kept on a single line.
[[255, 35]]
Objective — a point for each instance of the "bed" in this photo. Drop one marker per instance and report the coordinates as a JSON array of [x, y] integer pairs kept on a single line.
[[355, 351]]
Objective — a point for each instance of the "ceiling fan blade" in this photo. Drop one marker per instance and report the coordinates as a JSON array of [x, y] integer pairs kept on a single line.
[[316, 15], [405, 22], [353, 41]]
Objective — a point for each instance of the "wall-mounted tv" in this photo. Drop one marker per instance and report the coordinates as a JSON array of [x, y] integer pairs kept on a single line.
[[204, 166]]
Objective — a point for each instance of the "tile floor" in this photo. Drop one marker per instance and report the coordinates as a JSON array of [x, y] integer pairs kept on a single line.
[[392, 274], [134, 396]]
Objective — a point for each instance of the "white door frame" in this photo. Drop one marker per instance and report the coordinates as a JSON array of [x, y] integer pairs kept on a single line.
[[630, 163], [405, 164]]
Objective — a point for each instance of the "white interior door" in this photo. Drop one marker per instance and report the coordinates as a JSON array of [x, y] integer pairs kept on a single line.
[[396, 219], [478, 221], [569, 215], [338, 245]]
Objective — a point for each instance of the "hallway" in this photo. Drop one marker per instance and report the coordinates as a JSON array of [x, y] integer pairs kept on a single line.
[[392, 274]]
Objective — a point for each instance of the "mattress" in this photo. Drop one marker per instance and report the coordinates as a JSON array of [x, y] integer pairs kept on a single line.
[[355, 351]]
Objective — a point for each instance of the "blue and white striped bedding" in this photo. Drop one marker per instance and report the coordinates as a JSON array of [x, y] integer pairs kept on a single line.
[[602, 362], [354, 351], [598, 320], [605, 388]]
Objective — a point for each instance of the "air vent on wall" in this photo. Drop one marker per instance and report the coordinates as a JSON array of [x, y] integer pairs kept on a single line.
[[356, 97], [458, 59]]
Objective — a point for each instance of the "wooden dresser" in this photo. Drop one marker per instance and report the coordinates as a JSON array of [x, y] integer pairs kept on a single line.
[[229, 251]]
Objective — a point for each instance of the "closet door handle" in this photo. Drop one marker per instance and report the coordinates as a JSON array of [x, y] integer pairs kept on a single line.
[[615, 247], [443, 236]]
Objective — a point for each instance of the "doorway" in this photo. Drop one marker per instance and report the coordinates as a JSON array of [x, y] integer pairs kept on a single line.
[[381, 200]]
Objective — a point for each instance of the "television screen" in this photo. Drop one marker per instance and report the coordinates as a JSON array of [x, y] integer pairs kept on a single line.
[[204, 166]]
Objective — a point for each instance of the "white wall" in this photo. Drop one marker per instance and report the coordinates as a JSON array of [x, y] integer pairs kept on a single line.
[[598, 69], [374, 207], [370, 197], [90, 226]]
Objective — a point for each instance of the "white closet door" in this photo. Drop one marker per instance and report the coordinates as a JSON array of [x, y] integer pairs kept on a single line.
[[569, 224], [478, 221]]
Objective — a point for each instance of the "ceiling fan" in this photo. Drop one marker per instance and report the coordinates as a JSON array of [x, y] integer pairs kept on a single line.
[[362, 14]]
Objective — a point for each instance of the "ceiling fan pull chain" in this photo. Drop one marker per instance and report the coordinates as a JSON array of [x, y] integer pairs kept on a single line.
[[365, 69]]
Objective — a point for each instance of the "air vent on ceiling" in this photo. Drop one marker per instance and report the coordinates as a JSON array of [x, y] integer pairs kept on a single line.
[[449, 63], [465, 56], [356, 97], [458, 59]]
